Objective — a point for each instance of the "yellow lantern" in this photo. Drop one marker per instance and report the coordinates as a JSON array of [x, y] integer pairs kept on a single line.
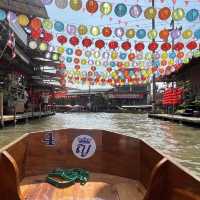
[[171, 62], [23, 20], [152, 34], [75, 4], [187, 34], [106, 8], [114, 55], [127, 64], [82, 29], [164, 55], [97, 62], [130, 33], [83, 61], [95, 31], [150, 13], [178, 14], [43, 46], [97, 54], [61, 50]]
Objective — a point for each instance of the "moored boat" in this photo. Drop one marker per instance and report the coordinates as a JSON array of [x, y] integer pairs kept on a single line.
[[120, 168]]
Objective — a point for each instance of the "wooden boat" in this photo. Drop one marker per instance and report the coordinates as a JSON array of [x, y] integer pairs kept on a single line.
[[121, 168]]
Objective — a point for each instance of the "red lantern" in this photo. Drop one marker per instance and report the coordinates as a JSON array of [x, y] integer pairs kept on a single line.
[[87, 42], [166, 46], [109, 69], [62, 39], [61, 66], [76, 60], [192, 45], [178, 46], [131, 56], [92, 6], [74, 41], [78, 52], [47, 37], [107, 31], [139, 46], [93, 68], [35, 24], [126, 45], [113, 44], [180, 54], [99, 44], [35, 34], [77, 67], [153, 46]]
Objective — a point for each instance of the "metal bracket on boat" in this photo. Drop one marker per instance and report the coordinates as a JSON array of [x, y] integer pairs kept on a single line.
[[66, 177]]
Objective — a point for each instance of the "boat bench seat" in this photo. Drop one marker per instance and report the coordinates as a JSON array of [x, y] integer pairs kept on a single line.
[[99, 187]]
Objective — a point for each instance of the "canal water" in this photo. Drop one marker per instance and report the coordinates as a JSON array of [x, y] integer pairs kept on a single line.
[[179, 141]]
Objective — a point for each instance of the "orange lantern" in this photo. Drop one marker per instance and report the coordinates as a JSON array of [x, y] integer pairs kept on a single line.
[[106, 31], [92, 6], [76, 60], [164, 34], [180, 54], [164, 13], [35, 24], [78, 52]]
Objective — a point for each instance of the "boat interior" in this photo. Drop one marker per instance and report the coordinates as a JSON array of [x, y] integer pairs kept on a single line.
[[122, 168]]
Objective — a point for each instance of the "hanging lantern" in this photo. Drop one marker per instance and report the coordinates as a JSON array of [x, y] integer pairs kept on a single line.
[[141, 33], [150, 13], [23, 20], [74, 41], [106, 8], [113, 44], [197, 34], [175, 34], [76, 60], [164, 34], [48, 55], [120, 10], [153, 46], [97, 54], [135, 11], [46, 2], [35, 34], [178, 46], [93, 68], [139, 46], [71, 29], [99, 44], [47, 37], [62, 4], [2, 15], [77, 67], [95, 31], [92, 6], [51, 48], [62, 39], [152, 34], [69, 51], [82, 29], [178, 14], [106, 55], [88, 53], [11, 16], [83, 61], [47, 24], [166, 46], [78, 52], [180, 55], [33, 44], [126, 45], [130, 33], [59, 26], [69, 59], [87, 42], [61, 50], [192, 15], [114, 55], [164, 13], [187, 34], [106, 31], [191, 45], [119, 32], [43, 46], [35, 24], [75, 4], [131, 56]]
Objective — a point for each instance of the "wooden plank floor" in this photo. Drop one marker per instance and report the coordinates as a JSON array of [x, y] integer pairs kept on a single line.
[[99, 187]]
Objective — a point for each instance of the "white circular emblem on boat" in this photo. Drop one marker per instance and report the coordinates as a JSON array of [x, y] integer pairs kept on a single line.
[[83, 146]]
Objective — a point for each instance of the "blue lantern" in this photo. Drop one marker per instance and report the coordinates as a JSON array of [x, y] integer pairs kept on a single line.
[[141, 33], [120, 10], [2, 15], [122, 56], [192, 15], [59, 26], [112, 64], [172, 55], [69, 51], [69, 59], [197, 34]]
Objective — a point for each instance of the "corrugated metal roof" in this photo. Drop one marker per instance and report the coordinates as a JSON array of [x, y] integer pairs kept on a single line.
[[33, 8]]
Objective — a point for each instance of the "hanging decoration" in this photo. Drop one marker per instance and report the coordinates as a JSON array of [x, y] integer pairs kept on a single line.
[[47, 24], [82, 29], [46, 2], [35, 34], [139, 46], [62, 4], [75, 4], [135, 11], [164, 34], [62, 39], [164, 13], [120, 10], [126, 45], [150, 13], [192, 45], [92, 6], [130, 33], [87, 42], [23, 20], [197, 34], [119, 32], [107, 31], [178, 14], [2, 15], [74, 41], [71, 29], [152, 34], [59, 26], [106, 8], [141, 33], [175, 34], [187, 34], [95, 31], [35, 24], [113, 44], [99, 44], [192, 15], [48, 37]]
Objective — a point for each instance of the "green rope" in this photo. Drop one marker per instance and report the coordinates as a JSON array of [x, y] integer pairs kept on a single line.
[[66, 177]]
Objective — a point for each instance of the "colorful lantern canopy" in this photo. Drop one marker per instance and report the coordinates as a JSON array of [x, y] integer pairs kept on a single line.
[[192, 45], [74, 41], [62, 4], [164, 13], [178, 14], [106, 8], [75, 4], [87, 42], [150, 13], [113, 44], [92, 6], [23, 20], [192, 15], [139, 46], [59, 26], [62, 39], [35, 24], [178, 46], [95, 31], [119, 32], [164, 34], [130, 33], [141, 33], [71, 29], [82, 29], [47, 37], [47, 24], [106, 31], [126, 45], [2, 15], [166, 46], [120, 10], [153, 46], [99, 44], [135, 11]]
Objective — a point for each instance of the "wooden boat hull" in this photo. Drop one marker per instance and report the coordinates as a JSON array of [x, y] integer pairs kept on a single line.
[[114, 160]]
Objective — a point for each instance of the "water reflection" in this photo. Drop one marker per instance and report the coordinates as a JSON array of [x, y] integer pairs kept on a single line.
[[179, 141]]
